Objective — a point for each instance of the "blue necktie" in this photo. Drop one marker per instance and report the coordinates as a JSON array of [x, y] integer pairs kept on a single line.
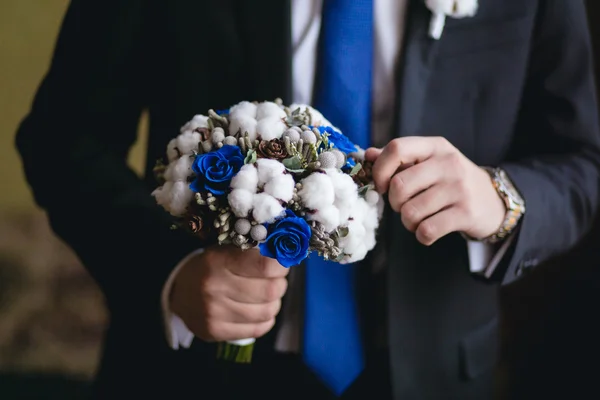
[[332, 345]]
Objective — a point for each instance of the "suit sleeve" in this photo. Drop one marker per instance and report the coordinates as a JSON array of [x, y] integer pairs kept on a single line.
[[74, 144], [556, 165]]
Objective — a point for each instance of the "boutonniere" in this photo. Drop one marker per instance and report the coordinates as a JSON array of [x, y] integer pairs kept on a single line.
[[441, 9]]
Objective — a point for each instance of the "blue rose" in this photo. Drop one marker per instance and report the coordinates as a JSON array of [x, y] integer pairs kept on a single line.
[[338, 140], [215, 170], [287, 240]]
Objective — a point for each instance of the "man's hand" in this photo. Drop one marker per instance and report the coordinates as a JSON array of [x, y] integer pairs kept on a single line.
[[225, 294], [436, 189]]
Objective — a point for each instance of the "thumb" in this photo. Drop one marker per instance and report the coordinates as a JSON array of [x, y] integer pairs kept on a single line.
[[372, 153]]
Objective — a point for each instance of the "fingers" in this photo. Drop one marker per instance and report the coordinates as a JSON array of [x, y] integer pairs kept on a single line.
[[227, 331], [406, 184], [255, 290], [240, 313], [426, 204], [402, 151], [372, 153], [439, 225], [251, 264]]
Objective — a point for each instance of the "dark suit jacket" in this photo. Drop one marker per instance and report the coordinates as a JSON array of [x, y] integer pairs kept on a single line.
[[550, 342], [511, 87]]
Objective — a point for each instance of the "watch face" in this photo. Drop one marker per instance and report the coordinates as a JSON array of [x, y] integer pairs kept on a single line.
[[508, 187]]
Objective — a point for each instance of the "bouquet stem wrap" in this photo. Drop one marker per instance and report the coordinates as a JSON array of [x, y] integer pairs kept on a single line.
[[238, 351]]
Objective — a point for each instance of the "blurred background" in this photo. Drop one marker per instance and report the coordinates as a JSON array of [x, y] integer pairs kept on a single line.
[[52, 315]]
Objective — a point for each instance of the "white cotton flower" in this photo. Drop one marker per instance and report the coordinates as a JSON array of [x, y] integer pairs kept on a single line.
[[370, 218], [266, 208], [270, 128], [246, 178], [172, 151], [241, 202], [179, 169], [174, 197], [328, 216], [372, 197], [268, 109], [453, 8], [369, 240], [317, 119], [358, 254], [362, 229], [346, 192], [354, 238], [244, 108], [198, 121], [365, 214], [375, 200], [184, 144], [268, 169], [243, 124], [317, 191], [281, 187]]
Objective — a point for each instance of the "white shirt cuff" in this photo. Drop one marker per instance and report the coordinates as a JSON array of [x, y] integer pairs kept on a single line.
[[177, 333], [484, 258]]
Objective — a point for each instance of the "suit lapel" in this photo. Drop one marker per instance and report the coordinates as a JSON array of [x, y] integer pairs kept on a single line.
[[265, 31], [417, 62]]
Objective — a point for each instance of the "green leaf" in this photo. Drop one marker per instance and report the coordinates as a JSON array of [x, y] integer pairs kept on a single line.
[[296, 171], [250, 157], [356, 169], [293, 163]]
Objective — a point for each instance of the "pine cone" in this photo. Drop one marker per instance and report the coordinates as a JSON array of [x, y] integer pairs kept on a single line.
[[195, 223], [274, 149]]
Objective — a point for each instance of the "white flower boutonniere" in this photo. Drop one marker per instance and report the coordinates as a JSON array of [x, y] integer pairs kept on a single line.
[[448, 8]]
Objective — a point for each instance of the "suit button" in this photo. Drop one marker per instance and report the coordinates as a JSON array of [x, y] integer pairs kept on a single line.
[[526, 266], [519, 269]]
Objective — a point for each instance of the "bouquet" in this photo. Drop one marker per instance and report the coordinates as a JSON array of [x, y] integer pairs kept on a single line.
[[279, 178]]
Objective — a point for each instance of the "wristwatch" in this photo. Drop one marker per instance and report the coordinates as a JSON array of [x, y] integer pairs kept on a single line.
[[514, 202]]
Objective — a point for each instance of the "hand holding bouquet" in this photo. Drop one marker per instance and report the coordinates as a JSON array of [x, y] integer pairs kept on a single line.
[[282, 179]]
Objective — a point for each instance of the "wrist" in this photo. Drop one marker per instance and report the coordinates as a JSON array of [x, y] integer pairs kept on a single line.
[[513, 205], [176, 331]]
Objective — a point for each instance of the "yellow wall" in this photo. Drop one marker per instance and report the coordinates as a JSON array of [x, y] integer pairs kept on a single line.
[[28, 30]]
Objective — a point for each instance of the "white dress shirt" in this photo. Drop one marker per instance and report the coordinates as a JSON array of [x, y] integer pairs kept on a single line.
[[388, 37]]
